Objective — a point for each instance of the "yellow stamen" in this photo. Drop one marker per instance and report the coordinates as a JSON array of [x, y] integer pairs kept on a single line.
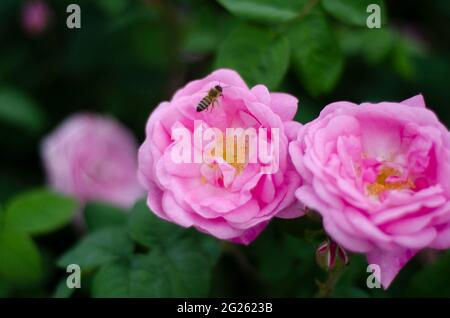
[[235, 149], [381, 185]]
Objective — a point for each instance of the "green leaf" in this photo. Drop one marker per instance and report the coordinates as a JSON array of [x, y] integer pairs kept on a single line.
[[353, 12], [102, 246], [206, 30], [62, 291], [2, 218], [318, 60], [117, 280], [269, 11], [433, 280], [147, 229], [270, 253], [258, 54], [20, 110], [145, 52], [112, 7], [100, 214], [5, 289], [171, 267], [275, 246], [39, 211], [373, 44], [20, 259], [405, 52], [135, 278], [207, 246], [183, 270]]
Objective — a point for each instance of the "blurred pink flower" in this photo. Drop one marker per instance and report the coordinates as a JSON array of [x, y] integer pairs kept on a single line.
[[35, 16], [229, 200], [93, 158], [379, 176]]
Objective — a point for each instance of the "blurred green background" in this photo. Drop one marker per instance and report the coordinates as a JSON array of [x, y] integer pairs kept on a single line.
[[129, 55]]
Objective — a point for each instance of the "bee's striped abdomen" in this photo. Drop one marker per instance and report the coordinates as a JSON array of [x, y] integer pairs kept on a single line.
[[204, 103], [213, 94]]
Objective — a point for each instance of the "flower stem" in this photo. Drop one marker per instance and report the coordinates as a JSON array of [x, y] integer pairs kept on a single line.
[[326, 289]]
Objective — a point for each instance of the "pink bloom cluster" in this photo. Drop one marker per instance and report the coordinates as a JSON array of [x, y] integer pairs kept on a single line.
[[377, 173], [379, 176], [93, 158]]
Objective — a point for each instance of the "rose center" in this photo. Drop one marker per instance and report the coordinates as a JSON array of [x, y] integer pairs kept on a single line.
[[235, 153], [389, 179]]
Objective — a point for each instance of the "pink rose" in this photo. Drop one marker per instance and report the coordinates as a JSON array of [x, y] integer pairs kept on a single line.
[[379, 176], [93, 158], [228, 199], [35, 16]]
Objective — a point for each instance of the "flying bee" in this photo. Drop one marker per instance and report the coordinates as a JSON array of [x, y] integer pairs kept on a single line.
[[210, 99]]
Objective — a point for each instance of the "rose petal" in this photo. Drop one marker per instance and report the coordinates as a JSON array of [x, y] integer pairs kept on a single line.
[[284, 105], [390, 263], [415, 101]]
